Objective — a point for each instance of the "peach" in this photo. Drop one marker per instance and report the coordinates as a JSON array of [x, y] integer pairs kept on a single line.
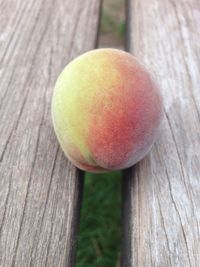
[[106, 110]]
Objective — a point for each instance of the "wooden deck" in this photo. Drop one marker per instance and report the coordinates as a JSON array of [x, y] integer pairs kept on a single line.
[[40, 190], [162, 193]]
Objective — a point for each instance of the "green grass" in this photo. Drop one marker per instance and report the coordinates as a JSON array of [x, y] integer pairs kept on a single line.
[[112, 20], [109, 24], [100, 227]]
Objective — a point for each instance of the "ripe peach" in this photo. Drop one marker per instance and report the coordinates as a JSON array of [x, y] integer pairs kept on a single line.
[[106, 110]]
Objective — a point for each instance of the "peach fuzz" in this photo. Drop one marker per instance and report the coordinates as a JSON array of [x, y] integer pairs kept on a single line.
[[106, 110]]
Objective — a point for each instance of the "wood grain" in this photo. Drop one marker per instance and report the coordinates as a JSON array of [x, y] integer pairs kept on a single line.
[[161, 194], [40, 190]]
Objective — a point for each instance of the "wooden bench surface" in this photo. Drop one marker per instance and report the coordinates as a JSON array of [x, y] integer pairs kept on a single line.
[[40, 190], [161, 194]]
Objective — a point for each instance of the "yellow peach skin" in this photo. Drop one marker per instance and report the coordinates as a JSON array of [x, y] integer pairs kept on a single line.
[[106, 110]]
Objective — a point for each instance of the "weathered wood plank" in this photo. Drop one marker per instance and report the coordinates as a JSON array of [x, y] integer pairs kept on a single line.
[[162, 192], [40, 190]]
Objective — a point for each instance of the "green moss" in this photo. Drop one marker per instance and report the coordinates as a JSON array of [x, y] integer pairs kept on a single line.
[[99, 235]]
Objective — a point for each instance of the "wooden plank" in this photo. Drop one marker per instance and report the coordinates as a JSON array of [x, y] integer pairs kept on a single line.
[[161, 194], [40, 190]]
